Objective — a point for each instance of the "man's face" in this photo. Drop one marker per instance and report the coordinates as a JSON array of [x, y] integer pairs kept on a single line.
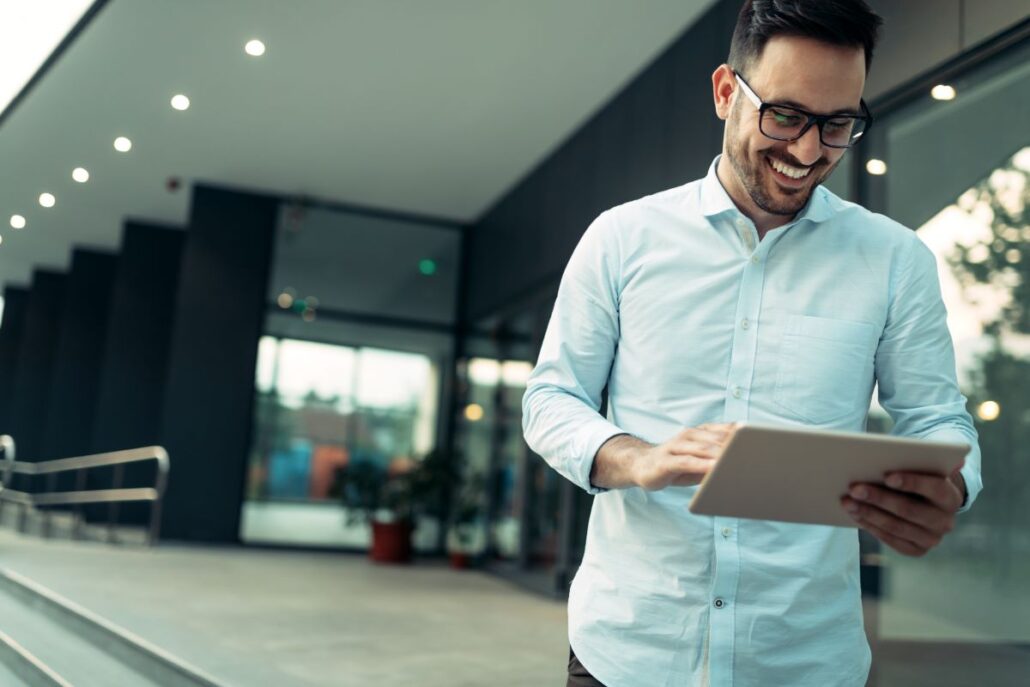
[[816, 77]]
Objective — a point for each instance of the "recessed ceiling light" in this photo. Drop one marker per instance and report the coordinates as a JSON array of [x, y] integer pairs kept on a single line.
[[47, 200], [17, 222], [876, 167], [80, 175], [122, 144], [180, 102], [255, 47], [989, 410], [943, 92], [1, 239]]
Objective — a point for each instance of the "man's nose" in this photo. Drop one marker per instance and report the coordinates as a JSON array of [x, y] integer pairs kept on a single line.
[[807, 149]]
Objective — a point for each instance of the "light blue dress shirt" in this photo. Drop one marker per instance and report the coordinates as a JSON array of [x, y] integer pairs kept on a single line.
[[673, 302]]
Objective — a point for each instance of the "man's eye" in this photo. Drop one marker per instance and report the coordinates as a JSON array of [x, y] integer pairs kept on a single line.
[[839, 123], [786, 118]]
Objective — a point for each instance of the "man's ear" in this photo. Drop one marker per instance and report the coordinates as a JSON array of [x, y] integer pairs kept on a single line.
[[724, 85]]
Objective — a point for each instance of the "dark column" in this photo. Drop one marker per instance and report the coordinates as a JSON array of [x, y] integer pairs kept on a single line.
[[16, 299], [658, 132], [138, 340], [210, 393], [32, 379], [78, 359]]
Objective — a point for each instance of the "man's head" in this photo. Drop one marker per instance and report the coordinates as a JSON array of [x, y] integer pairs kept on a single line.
[[812, 54]]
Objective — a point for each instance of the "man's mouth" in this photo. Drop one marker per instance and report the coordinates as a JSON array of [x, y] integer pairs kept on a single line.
[[787, 172]]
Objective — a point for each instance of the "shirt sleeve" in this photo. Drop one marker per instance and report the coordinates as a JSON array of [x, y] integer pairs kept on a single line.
[[560, 418], [915, 363]]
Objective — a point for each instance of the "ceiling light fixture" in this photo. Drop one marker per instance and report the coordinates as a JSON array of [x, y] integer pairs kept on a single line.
[[122, 144], [17, 222], [255, 48], [180, 102], [47, 200], [876, 167], [80, 174], [943, 92]]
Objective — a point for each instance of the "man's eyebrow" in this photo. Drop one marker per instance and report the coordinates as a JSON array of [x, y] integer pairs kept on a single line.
[[799, 106]]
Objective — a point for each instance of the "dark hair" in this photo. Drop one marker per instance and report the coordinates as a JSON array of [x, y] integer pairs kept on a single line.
[[839, 22]]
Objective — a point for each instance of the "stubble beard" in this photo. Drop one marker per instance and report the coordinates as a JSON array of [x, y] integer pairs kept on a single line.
[[752, 174]]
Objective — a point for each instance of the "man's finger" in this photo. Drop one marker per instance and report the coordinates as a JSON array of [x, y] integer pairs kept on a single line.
[[905, 506], [707, 449], [897, 543], [714, 436], [938, 490], [885, 521]]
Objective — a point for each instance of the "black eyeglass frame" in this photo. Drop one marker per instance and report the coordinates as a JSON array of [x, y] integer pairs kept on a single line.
[[813, 118]]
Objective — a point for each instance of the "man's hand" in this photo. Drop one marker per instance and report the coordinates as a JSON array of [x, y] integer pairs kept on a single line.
[[683, 460], [912, 513], [625, 461]]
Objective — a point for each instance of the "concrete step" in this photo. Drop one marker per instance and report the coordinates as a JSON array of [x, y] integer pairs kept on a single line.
[[78, 646], [9, 677], [19, 667]]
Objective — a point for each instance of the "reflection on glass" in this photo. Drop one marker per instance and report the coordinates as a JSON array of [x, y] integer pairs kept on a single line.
[[982, 242], [320, 407], [490, 437]]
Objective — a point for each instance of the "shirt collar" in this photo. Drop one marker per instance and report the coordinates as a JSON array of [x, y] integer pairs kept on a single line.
[[715, 200]]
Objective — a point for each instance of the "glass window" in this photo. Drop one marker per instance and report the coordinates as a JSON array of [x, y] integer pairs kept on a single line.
[[319, 406], [959, 172]]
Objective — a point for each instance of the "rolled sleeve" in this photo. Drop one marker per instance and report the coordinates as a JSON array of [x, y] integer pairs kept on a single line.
[[915, 363], [560, 417]]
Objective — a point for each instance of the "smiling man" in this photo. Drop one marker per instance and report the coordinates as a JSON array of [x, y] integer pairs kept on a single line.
[[753, 294]]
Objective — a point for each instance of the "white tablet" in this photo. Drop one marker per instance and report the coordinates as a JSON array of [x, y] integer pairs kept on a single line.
[[799, 475]]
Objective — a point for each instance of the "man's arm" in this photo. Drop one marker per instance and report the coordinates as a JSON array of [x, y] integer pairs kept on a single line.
[[915, 371], [560, 418]]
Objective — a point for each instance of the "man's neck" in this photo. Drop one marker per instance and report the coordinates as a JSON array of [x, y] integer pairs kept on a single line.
[[764, 221]]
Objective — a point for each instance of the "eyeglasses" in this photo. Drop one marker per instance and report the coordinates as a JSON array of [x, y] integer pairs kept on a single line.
[[788, 123]]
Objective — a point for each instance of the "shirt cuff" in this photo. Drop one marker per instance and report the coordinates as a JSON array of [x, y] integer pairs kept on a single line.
[[971, 476], [970, 469], [578, 467]]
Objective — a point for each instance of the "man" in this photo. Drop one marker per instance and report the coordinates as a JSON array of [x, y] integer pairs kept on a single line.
[[753, 294]]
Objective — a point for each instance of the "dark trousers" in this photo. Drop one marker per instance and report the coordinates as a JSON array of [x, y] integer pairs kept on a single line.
[[578, 675]]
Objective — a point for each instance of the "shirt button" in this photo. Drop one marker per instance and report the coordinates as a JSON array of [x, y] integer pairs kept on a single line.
[[745, 324], [737, 392], [755, 259], [719, 603], [726, 532]]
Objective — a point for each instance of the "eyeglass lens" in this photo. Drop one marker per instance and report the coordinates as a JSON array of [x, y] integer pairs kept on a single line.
[[785, 124]]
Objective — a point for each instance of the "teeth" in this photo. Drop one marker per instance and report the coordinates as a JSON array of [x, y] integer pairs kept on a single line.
[[792, 172]]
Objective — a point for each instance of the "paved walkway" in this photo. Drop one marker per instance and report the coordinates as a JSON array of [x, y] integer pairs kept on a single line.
[[256, 617]]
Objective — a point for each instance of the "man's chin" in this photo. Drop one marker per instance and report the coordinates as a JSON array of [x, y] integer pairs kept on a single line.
[[786, 201]]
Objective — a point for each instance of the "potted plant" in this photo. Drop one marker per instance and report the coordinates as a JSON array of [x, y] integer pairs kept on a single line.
[[464, 536], [390, 497]]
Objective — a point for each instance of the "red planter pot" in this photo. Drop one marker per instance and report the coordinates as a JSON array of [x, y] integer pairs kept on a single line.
[[391, 542], [460, 561]]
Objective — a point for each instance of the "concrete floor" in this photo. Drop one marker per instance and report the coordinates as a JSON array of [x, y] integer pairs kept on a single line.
[[258, 617]]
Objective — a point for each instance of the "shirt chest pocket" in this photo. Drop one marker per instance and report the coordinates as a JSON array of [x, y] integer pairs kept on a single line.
[[826, 368]]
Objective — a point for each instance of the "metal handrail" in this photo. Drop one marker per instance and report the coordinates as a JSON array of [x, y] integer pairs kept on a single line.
[[9, 466], [7, 446]]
